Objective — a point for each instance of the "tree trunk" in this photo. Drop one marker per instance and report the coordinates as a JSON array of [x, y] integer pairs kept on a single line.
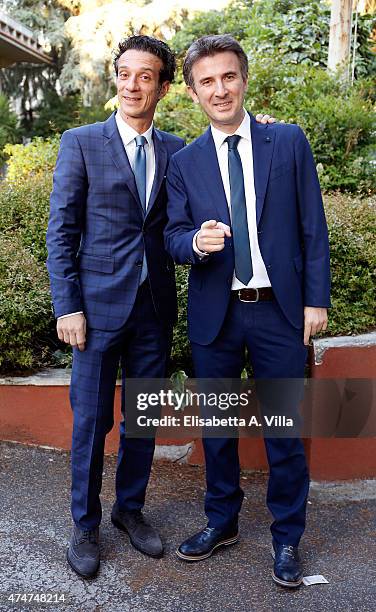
[[340, 36]]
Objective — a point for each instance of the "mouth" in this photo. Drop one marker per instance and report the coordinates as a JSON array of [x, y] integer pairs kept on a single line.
[[223, 105], [131, 100]]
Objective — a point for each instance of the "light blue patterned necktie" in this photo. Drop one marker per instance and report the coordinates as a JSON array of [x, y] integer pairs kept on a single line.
[[140, 176], [239, 221]]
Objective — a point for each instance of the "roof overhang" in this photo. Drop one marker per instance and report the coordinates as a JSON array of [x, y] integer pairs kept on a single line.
[[18, 44]]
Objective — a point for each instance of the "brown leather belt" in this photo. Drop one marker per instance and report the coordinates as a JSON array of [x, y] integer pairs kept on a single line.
[[253, 295]]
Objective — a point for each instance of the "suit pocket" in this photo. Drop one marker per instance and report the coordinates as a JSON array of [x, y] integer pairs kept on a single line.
[[96, 264], [281, 170]]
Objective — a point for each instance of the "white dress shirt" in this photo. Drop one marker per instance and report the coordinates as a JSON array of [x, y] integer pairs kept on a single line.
[[128, 135], [260, 277]]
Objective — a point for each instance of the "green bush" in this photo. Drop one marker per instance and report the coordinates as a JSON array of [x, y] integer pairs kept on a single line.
[[25, 307], [181, 352], [339, 120], [352, 230], [27, 331], [60, 113], [296, 31], [33, 159], [24, 209], [8, 126]]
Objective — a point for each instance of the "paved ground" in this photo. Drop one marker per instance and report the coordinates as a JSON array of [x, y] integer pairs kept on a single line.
[[340, 543]]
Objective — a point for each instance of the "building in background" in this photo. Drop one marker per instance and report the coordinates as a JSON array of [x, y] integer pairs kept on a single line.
[[18, 44]]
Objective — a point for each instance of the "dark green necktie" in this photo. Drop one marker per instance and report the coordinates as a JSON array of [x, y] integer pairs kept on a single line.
[[242, 249]]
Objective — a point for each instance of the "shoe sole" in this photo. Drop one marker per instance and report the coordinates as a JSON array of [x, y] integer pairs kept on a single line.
[[291, 585], [206, 555], [284, 583], [87, 576], [120, 526]]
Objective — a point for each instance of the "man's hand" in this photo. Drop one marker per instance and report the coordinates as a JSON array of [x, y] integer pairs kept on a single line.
[[72, 330], [211, 236], [315, 320], [260, 118]]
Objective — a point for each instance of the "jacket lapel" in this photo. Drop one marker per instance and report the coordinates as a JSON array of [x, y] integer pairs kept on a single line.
[[262, 147], [161, 158], [115, 148], [208, 168]]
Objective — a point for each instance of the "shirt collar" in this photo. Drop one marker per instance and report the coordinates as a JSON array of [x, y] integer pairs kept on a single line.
[[127, 132], [244, 130]]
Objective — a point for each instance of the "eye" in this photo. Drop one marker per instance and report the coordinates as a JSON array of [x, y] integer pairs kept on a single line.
[[145, 77], [123, 75]]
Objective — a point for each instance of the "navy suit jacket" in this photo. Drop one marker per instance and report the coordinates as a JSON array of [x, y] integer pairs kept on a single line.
[[98, 230], [292, 231]]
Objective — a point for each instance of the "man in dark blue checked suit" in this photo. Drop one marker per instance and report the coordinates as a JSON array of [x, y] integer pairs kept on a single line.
[[113, 286]]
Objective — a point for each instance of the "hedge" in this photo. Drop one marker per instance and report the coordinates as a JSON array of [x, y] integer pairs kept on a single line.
[[27, 335], [25, 307]]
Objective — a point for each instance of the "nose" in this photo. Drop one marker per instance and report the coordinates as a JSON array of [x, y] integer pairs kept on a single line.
[[220, 88], [132, 83]]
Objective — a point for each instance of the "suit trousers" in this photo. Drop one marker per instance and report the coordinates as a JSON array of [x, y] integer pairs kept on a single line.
[[276, 350], [142, 346]]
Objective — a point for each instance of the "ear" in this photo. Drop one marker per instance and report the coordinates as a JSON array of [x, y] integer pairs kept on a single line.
[[163, 89], [191, 92]]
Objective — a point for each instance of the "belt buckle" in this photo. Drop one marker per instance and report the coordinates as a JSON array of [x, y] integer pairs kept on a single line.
[[250, 301]]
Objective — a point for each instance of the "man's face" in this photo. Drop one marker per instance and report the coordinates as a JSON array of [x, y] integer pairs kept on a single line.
[[220, 89], [138, 86]]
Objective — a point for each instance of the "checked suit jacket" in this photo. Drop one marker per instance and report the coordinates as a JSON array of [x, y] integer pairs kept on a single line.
[[98, 230]]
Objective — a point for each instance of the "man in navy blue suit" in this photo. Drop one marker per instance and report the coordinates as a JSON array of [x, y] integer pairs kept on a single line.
[[245, 210], [113, 286]]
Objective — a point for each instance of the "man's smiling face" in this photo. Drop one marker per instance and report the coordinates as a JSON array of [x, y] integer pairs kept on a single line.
[[219, 88], [138, 86]]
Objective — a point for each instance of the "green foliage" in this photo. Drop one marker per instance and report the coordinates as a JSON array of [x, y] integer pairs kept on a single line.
[[181, 353], [177, 114], [26, 82], [8, 126], [295, 31], [24, 208], [25, 308], [38, 157], [352, 230], [60, 113], [341, 134]]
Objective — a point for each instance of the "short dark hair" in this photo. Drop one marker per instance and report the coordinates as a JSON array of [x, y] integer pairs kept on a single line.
[[211, 45], [150, 45]]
